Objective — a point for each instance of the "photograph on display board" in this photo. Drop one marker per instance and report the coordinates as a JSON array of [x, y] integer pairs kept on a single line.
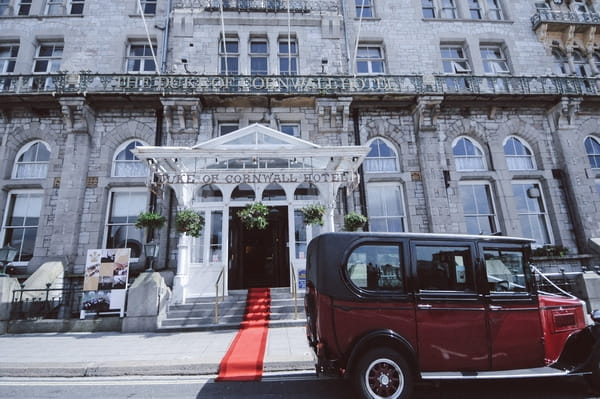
[[105, 279], [96, 301]]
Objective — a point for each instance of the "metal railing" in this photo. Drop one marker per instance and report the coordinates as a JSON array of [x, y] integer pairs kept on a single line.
[[295, 6], [48, 303], [222, 280], [564, 17], [193, 84], [294, 284]]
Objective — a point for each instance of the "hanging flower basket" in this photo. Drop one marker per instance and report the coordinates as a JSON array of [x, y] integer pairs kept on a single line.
[[354, 221], [189, 222], [150, 220], [254, 216], [313, 214]]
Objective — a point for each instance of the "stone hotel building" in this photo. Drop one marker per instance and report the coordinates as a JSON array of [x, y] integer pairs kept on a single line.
[[443, 116]]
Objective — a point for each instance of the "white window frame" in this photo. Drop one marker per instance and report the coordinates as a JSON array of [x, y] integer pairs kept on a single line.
[[461, 161], [131, 224], [202, 250], [595, 165], [448, 9], [55, 7], [225, 55], [560, 62], [387, 216], [52, 61], [580, 64], [258, 56], [5, 8], [149, 4], [290, 57], [24, 8], [516, 162], [475, 6], [428, 5], [8, 60], [39, 166], [224, 128], [12, 194], [598, 186], [368, 60], [293, 127], [117, 163], [381, 160], [478, 214], [308, 231], [494, 10], [367, 7], [540, 216], [141, 59], [494, 65]]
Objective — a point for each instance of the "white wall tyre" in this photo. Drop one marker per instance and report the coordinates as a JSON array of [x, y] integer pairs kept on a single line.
[[383, 373]]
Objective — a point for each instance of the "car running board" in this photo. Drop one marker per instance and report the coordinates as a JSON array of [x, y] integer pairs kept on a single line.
[[482, 375]]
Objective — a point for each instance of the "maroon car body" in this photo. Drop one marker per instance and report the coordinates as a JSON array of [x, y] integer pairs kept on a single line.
[[388, 309]]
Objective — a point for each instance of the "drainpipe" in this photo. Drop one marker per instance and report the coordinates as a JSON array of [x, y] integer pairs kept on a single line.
[[163, 68], [361, 187], [345, 36]]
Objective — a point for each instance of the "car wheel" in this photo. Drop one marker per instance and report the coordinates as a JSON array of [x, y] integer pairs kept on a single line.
[[383, 373]]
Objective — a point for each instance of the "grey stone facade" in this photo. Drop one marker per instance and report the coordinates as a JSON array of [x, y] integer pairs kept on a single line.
[[84, 129]]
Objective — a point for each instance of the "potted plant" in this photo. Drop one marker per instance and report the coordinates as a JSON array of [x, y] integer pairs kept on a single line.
[[354, 221], [150, 220], [313, 214], [189, 222], [254, 216]]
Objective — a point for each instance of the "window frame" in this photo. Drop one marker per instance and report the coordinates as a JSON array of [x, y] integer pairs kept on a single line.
[[525, 145], [117, 162], [226, 125], [364, 7], [560, 62], [225, 56], [428, 5], [24, 8], [142, 190], [291, 57], [254, 56], [370, 61], [594, 165], [8, 62], [24, 149], [132, 59], [475, 6], [149, 4], [9, 210], [492, 217], [380, 158], [541, 215], [5, 8], [494, 7], [295, 127], [477, 146], [377, 189]]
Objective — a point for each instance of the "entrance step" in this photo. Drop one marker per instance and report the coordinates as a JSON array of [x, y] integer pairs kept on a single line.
[[198, 314]]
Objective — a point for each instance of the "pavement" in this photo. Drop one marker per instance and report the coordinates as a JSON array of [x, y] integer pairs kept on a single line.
[[149, 354]]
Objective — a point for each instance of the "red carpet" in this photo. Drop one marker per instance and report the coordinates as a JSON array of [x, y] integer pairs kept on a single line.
[[244, 359]]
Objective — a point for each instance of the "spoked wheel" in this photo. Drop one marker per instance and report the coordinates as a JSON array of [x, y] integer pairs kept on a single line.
[[383, 374]]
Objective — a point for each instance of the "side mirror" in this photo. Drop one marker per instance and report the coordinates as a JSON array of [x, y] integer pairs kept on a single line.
[[596, 316]]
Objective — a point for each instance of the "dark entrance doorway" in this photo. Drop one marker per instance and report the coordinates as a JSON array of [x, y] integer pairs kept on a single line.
[[259, 258]]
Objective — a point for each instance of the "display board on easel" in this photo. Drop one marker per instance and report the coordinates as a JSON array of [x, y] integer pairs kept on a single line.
[[105, 281]]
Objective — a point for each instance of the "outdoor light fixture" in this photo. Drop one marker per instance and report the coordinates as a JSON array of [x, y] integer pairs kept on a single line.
[[151, 252], [7, 255]]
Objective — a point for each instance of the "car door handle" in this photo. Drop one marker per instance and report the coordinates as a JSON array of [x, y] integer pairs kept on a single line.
[[495, 308], [424, 306]]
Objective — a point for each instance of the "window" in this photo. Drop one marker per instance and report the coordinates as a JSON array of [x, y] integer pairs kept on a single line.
[[592, 149], [76, 7], [293, 129], [125, 164], [288, 57], [369, 59], [561, 64], [364, 8], [376, 267], [532, 212], [505, 270], [140, 58], [24, 7], [243, 192], [303, 233], [428, 8], [598, 186], [32, 161], [495, 63], [381, 158], [455, 61], [273, 192], [582, 67], [259, 57], [478, 207], [386, 207], [62, 7], [306, 191], [4, 8], [494, 10], [229, 54], [475, 9], [518, 155], [21, 223], [8, 60], [209, 247], [124, 208], [227, 127], [47, 59], [468, 155], [148, 6], [445, 268], [449, 9], [210, 193]]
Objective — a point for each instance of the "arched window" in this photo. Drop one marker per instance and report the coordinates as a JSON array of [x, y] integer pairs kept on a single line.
[[518, 154], [561, 64], [210, 193], [273, 192], [582, 67], [382, 158], [468, 155], [306, 191], [32, 161], [243, 192], [592, 148], [125, 164]]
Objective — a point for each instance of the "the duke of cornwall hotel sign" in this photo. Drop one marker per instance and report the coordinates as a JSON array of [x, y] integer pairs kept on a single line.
[[250, 178]]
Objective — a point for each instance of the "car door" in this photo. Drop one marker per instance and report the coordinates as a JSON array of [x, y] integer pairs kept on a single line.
[[516, 335], [450, 314]]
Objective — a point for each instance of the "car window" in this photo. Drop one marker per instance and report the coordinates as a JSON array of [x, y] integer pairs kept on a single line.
[[445, 268], [504, 270], [376, 267]]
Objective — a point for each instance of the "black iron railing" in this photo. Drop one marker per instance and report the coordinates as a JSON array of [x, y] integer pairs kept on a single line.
[[48, 303], [567, 281], [564, 17], [193, 84]]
